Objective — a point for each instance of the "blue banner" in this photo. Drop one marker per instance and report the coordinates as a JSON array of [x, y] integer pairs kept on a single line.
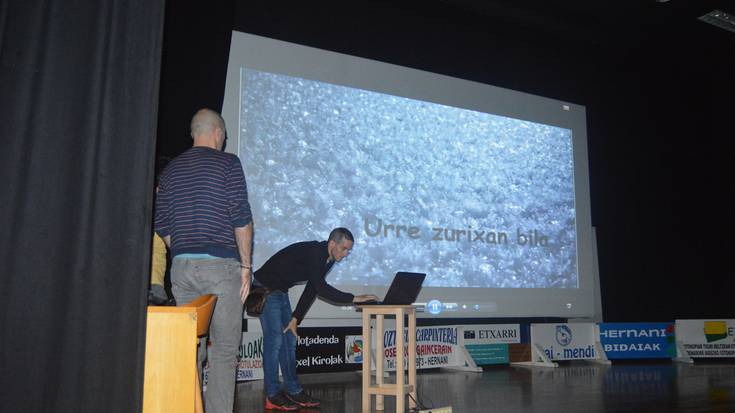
[[638, 340]]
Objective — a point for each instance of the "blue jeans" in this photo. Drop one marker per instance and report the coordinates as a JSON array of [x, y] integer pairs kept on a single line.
[[279, 348], [191, 278]]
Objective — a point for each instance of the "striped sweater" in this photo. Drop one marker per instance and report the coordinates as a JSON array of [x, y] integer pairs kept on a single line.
[[202, 197]]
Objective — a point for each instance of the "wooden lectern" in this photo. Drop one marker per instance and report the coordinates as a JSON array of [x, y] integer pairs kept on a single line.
[[400, 388], [170, 360]]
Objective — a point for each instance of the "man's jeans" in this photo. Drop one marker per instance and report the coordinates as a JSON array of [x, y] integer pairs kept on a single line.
[[279, 348], [191, 278]]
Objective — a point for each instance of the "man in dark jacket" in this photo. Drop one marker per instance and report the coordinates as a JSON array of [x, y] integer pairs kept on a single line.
[[301, 262]]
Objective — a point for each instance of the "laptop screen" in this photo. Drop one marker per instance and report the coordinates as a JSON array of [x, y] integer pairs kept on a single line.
[[404, 289]]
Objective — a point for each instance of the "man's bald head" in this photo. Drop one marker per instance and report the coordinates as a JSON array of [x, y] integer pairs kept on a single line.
[[206, 121]]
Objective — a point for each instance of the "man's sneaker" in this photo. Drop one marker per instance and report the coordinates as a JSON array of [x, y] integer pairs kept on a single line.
[[303, 399], [280, 402]]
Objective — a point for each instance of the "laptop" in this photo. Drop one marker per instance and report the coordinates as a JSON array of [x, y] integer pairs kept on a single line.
[[403, 290]]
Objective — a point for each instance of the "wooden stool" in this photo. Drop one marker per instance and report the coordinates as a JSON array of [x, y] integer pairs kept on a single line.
[[400, 388]]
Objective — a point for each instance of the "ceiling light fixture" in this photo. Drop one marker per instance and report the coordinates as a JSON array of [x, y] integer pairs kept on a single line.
[[720, 19]]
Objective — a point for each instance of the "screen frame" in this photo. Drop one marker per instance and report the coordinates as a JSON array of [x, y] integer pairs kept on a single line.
[[264, 54]]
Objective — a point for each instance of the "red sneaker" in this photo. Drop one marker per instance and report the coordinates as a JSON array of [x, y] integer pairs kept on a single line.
[[303, 399], [280, 402]]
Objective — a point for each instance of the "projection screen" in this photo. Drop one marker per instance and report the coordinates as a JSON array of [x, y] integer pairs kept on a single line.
[[482, 188]]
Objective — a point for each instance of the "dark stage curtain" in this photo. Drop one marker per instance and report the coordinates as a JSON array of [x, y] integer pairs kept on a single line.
[[79, 94]]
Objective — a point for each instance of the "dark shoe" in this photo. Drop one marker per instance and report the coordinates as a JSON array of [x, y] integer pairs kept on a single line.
[[156, 300], [280, 402], [303, 399]]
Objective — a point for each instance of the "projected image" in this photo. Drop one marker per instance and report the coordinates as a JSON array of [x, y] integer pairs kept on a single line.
[[470, 198]]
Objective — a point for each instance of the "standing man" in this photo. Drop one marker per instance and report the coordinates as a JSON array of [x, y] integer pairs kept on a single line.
[[203, 215], [302, 262]]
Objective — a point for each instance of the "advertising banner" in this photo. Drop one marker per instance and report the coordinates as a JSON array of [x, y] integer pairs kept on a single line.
[[489, 343], [322, 349], [638, 340], [250, 357], [491, 333], [707, 338], [436, 346], [566, 341], [317, 350]]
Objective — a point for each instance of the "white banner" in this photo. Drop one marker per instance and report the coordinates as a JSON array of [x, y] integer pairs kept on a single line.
[[435, 347], [491, 333], [250, 357], [565, 341], [707, 338]]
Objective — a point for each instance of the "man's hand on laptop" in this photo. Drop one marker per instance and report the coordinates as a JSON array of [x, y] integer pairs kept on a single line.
[[364, 298]]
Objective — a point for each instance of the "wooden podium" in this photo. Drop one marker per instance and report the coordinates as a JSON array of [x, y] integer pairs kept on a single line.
[[400, 388], [170, 360]]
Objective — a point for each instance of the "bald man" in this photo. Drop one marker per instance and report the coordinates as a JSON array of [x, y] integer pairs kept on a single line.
[[203, 215]]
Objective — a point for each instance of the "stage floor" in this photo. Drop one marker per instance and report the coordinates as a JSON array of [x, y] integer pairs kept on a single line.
[[572, 387]]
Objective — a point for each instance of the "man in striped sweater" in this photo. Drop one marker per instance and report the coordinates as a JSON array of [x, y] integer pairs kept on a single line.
[[203, 215]]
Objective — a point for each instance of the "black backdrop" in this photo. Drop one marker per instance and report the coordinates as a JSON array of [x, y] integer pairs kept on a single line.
[[659, 113], [79, 93]]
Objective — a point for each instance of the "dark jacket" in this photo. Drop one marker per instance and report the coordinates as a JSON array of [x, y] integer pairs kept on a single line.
[[302, 262]]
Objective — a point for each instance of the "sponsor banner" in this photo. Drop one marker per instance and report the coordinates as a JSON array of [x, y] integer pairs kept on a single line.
[[322, 349], [317, 350], [250, 357], [566, 341], [707, 338], [491, 333], [484, 354], [488, 343], [638, 340], [436, 346]]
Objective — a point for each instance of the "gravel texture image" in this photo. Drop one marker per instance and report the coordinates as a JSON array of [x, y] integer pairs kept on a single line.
[[470, 198]]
